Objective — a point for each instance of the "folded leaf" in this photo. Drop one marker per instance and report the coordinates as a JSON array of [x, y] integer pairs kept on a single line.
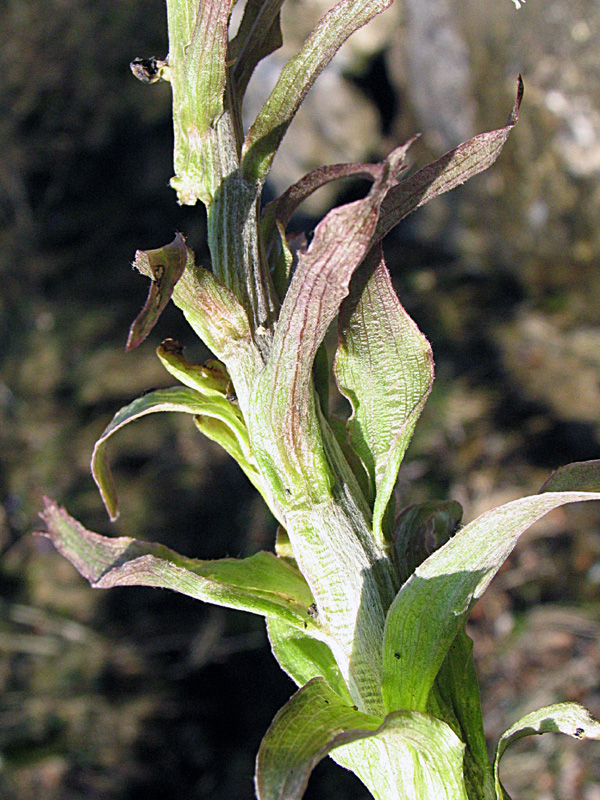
[[446, 173], [569, 718], [219, 319], [259, 35], [164, 267], [283, 404], [296, 78], [210, 379], [455, 699], [411, 756], [262, 584], [177, 398], [407, 756], [304, 657], [384, 366], [434, 603]]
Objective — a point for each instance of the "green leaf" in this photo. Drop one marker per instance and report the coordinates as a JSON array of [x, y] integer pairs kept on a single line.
[[312, 722], [384, 366], [569, 718], [177, 398], [164, 267], [303, 657], [456, 700], [446, 173], [210, 379], [259, 35], [262, 584], [296, 78], [434, 603], [407, 756], [420, 530], [411, 756]]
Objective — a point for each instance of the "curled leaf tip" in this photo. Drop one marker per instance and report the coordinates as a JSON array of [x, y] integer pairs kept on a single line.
[[513, 117], [164, 266]]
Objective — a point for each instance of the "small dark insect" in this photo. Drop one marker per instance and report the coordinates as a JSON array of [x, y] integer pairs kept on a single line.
[[313, 611], [397, 656], [578, 733], [148, 70]]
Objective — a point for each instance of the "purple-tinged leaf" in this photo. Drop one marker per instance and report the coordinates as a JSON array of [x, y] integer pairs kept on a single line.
[[258, 36], [384, 366], [276, 214], [435, 601], [423, 757], [164, 267], [288, 202], [325, 512], [283, 404], [446, 173], [177, 398], [296, 78], [262, 584], [582, 476]]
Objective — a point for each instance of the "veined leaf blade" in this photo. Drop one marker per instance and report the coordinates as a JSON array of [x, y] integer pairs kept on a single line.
[[384, 366], [176, 398], [261, 584], [406, 756], [434, 603], [446, 173]]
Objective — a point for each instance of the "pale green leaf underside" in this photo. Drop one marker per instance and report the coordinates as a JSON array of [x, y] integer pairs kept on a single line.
[[434, 603], [261, 584], [407, 756], [177, 398], [412, 756], [384, 366], [569, 718]]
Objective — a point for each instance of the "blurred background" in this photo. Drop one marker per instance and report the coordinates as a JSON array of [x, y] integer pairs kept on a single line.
[[141, 693]]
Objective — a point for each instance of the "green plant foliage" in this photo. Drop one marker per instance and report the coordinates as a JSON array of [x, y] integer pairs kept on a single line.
[[365, 614]]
